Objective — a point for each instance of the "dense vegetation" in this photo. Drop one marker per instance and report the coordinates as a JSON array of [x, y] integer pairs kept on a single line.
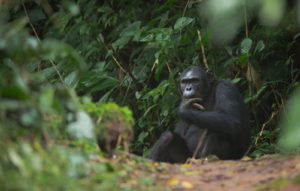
[[63, 62]]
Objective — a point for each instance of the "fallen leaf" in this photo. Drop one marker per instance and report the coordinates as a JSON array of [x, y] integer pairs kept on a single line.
[[185, 166], [186, 184], [155, 163], [173, 181], [246, 158], [283, 173], [230, 171], [193, 172]]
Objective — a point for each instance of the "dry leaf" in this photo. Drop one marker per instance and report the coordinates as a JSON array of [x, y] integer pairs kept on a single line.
[[193, 172], [253, 76], [185, 166], [173, 181], [230, 171], [186, 184], [154, 163], [246, 158]]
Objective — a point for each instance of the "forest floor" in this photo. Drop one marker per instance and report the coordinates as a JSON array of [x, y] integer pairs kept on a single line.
[[271, 172]]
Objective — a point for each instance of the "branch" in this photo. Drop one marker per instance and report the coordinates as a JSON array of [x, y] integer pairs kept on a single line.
[[202, 49], [128, 72], [38, 38]]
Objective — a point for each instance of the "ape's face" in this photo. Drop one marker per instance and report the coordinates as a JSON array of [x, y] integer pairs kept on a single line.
[[194, 84]]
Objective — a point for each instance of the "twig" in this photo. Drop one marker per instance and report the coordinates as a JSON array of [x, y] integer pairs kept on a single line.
[[202, 49], [119, 64], [126, 94], [206, 66], [246, 20], [249, 64], [263, 127], [184, 11], [47, 7], [38, 38], [199, 143]]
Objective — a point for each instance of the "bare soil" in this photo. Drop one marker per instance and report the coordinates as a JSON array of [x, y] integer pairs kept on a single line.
[[265, 173]]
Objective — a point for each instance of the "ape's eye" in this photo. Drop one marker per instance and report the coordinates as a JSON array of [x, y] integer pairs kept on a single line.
[[195, 80], [184, 81]]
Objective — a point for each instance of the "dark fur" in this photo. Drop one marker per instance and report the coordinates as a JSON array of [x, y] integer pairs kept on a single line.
[[225, 117]]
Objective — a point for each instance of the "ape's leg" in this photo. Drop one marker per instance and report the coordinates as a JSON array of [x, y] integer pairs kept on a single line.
[[178, 150], [169, 147], [159, 150]]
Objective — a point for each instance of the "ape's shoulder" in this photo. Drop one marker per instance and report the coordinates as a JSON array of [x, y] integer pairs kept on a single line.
[[226, 83], [227, 87]]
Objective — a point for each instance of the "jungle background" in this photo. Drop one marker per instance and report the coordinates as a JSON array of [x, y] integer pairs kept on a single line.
[[71, 70]]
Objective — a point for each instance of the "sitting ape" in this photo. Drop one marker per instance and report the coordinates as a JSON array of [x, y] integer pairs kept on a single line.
[[211, 110]]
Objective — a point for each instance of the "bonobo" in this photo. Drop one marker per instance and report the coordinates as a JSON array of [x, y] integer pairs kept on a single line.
[[212, 109]]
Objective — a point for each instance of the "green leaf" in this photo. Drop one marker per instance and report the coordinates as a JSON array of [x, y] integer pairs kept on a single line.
[[30, 117], [259, 47], [147, 38], [74, 9], [161, 30], [290, 125], [46, 100], [254, 97], [84, 29], [131, 29], [83, 127], [15, 92], [105, 83], [54, 49], [142, 136], [48, 72], [105, 9], [230, 61], [36, 15], [236, 80], [121, 42], [182, 22], [157, 91], [137, 95], [63, 20], [162, 37], [16, 159], [246, 45], [242, 57], [149, 109], [72, 79]]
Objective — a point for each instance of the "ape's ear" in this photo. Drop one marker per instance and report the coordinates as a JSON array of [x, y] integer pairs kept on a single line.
[[179, 74], [211, 76]]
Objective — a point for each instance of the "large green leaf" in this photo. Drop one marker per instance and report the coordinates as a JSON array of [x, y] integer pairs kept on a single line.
[[246, 45], [121, 42], [72, 79], [183, 22], [15, 92], [131, 29], [106, 82], [259, 47]]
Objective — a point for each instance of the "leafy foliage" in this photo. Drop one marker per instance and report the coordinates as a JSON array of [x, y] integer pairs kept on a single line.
[[289, 140], [56, 55]]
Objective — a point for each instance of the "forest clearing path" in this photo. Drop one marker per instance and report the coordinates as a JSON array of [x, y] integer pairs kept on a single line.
[[232, 175]]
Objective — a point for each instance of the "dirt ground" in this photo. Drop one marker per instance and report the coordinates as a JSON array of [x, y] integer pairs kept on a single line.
[[265, 173]]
